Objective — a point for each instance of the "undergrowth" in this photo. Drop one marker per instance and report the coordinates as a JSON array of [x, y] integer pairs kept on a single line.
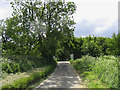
[[99, 72], [32, 79]]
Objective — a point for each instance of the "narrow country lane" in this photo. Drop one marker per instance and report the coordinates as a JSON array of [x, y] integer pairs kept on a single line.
[[63, 77]]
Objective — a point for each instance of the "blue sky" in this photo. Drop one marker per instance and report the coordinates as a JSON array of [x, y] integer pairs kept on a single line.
[[95, 17]]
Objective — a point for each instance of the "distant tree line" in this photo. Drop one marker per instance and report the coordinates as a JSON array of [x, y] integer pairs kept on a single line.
[[91, 45]]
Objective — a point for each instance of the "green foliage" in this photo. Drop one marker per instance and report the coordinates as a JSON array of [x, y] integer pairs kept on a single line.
[[18, 63], [15, 67], [36, 29], [94, 46], [104, 69], [36, 75], [91, 48], [71, 60], [45, 29], [86, 62], [25, 82], [6, 67], [22, 83], [113, 45]]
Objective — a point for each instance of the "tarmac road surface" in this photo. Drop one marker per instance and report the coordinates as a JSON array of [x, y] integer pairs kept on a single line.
[[64, 76]]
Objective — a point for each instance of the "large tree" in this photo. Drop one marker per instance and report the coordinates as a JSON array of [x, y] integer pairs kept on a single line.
[[36, 27]]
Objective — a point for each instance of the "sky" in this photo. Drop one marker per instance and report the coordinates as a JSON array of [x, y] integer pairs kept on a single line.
[[92, 17]]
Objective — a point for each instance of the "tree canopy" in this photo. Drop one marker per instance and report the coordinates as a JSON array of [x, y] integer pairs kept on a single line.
[[37, 27]]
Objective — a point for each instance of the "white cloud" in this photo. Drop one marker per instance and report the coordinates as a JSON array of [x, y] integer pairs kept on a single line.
[[102, 27], [99, 14], [99, 30], [83, 36], [92, 10], [4, 13], [5, 9]]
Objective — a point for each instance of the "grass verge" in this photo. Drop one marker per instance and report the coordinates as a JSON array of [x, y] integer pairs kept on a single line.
[[29, 78], [99, 72]]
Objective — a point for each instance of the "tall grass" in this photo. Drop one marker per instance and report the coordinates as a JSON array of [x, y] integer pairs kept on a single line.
[[104, 68]]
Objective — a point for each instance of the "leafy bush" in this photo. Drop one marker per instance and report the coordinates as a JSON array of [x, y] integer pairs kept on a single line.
[[24, 66], [71, 60], [18, 63], [15, 67], [85, 63], [91, 48], [6, 67]]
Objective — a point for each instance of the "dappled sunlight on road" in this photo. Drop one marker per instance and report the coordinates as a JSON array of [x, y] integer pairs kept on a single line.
[[63, 77]]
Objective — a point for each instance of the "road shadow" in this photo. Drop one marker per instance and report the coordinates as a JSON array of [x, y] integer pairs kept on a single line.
[[63, 77]]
